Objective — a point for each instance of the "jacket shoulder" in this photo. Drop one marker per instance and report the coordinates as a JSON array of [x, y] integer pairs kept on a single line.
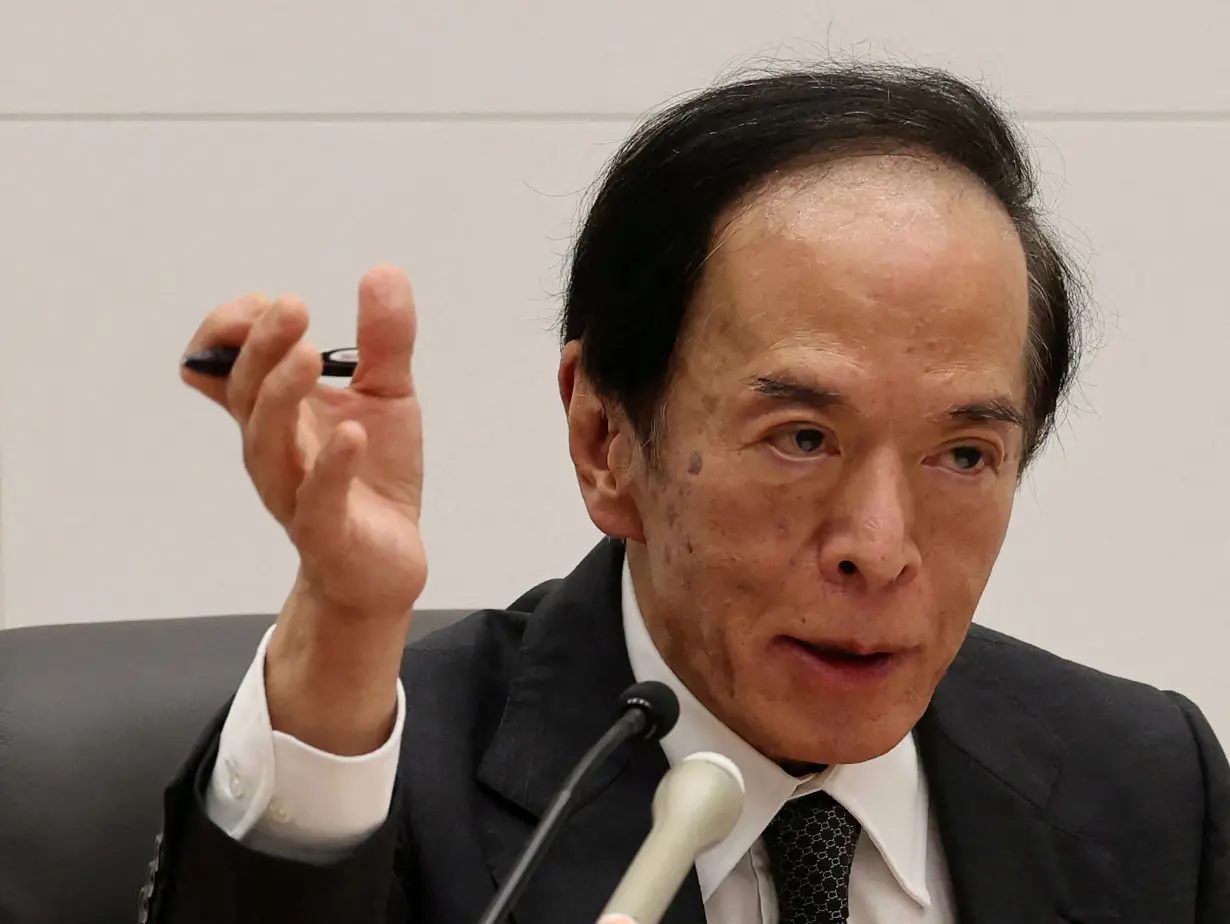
[[1073, 699], [1124, 737], [1140, 768]]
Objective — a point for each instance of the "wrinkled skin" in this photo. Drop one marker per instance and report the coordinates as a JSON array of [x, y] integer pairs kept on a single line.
[[837, 455]]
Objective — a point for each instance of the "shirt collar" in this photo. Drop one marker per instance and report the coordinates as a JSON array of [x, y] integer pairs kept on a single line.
[[886, 795]]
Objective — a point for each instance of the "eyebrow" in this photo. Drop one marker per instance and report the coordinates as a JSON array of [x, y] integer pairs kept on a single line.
[[1000, 409], [817, 398], [791, 392]]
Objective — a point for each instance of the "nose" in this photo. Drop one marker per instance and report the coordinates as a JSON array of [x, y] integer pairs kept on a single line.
[[868, 540]]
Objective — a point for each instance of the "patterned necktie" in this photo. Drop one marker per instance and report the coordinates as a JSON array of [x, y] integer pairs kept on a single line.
[[811, 850]]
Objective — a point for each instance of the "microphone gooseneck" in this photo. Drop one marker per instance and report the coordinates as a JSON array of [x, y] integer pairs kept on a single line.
[[648, 711]]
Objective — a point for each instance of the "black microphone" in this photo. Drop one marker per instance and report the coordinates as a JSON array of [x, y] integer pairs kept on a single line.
[[648, 711]]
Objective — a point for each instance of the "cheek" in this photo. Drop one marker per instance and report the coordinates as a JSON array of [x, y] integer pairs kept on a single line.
[[959, 534], [736, 526], [737, 552]]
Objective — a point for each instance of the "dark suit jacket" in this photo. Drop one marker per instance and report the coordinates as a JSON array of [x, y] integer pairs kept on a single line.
[[1061, 794]]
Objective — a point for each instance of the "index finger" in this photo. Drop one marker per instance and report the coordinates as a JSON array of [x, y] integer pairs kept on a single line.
[[225, 326], [387, 328]]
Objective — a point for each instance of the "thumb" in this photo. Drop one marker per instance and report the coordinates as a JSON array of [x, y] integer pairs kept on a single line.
[[387, 329]]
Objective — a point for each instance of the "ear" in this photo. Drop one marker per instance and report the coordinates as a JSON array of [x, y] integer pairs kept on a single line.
[[603, 449]]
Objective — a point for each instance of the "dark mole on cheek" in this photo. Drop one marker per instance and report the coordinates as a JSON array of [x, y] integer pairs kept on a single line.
[[695, 464]]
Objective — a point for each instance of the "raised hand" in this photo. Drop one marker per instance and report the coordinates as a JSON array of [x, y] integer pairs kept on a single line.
[[342, 470]]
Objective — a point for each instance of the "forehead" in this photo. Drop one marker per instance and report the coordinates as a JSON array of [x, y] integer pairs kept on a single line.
[[885, 261]]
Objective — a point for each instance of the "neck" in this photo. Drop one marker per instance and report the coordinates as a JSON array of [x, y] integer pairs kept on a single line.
[[796, 769]]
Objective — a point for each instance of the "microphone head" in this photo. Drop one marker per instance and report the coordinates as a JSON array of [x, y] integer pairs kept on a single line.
[[722, 762], [702, 795], [658, 703]]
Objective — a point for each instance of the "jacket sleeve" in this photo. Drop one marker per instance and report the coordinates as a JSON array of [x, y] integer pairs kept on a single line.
[[1213, 900], [201, 875]]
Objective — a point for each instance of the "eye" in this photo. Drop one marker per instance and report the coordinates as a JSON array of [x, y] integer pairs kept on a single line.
[[970, 458], [800, 442]]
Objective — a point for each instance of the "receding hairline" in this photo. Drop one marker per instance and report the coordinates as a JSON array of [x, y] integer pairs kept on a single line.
[[761, 204], [806, 173]]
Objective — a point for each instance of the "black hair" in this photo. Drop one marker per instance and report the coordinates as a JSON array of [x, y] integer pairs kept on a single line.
[[642, 246]]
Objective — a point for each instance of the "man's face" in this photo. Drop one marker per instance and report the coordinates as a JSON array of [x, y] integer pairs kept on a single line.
[[838, 461]]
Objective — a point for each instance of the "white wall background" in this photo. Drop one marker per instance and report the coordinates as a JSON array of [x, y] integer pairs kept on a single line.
[[159, 157]]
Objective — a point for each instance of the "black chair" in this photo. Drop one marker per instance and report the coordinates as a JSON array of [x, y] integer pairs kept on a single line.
[[94, 721]]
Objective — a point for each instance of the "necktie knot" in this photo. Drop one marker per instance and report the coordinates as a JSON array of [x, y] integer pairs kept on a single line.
[[811, 845]]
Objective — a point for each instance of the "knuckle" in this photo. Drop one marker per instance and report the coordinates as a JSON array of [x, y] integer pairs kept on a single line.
[[242, 311], [253, 304], [303, 363], [252, 456], [236, 398], [298, 532]]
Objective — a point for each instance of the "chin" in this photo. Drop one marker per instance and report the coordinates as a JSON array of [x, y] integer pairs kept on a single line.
[[841, 737]]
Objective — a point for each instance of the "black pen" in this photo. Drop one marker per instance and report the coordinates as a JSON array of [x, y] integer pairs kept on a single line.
[[217, 362]]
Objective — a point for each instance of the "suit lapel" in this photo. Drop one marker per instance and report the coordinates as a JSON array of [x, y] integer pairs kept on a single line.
[[572, 667], [992, 767]]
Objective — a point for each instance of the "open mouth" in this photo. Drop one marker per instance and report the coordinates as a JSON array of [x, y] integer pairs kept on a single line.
[[842, 654], [844, 665]]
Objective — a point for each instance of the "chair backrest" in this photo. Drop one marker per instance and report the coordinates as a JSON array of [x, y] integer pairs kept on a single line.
[[94, 721]]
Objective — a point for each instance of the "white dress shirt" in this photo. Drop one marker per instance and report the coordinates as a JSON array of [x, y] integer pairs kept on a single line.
[[283, 797]]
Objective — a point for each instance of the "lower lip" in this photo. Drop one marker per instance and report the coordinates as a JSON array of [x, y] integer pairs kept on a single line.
[[838, 672]]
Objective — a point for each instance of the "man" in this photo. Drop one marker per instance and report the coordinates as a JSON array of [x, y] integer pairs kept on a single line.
[[815, 331]]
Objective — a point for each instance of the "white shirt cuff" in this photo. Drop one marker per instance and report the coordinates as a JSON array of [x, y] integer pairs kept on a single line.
[[286, 798]]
